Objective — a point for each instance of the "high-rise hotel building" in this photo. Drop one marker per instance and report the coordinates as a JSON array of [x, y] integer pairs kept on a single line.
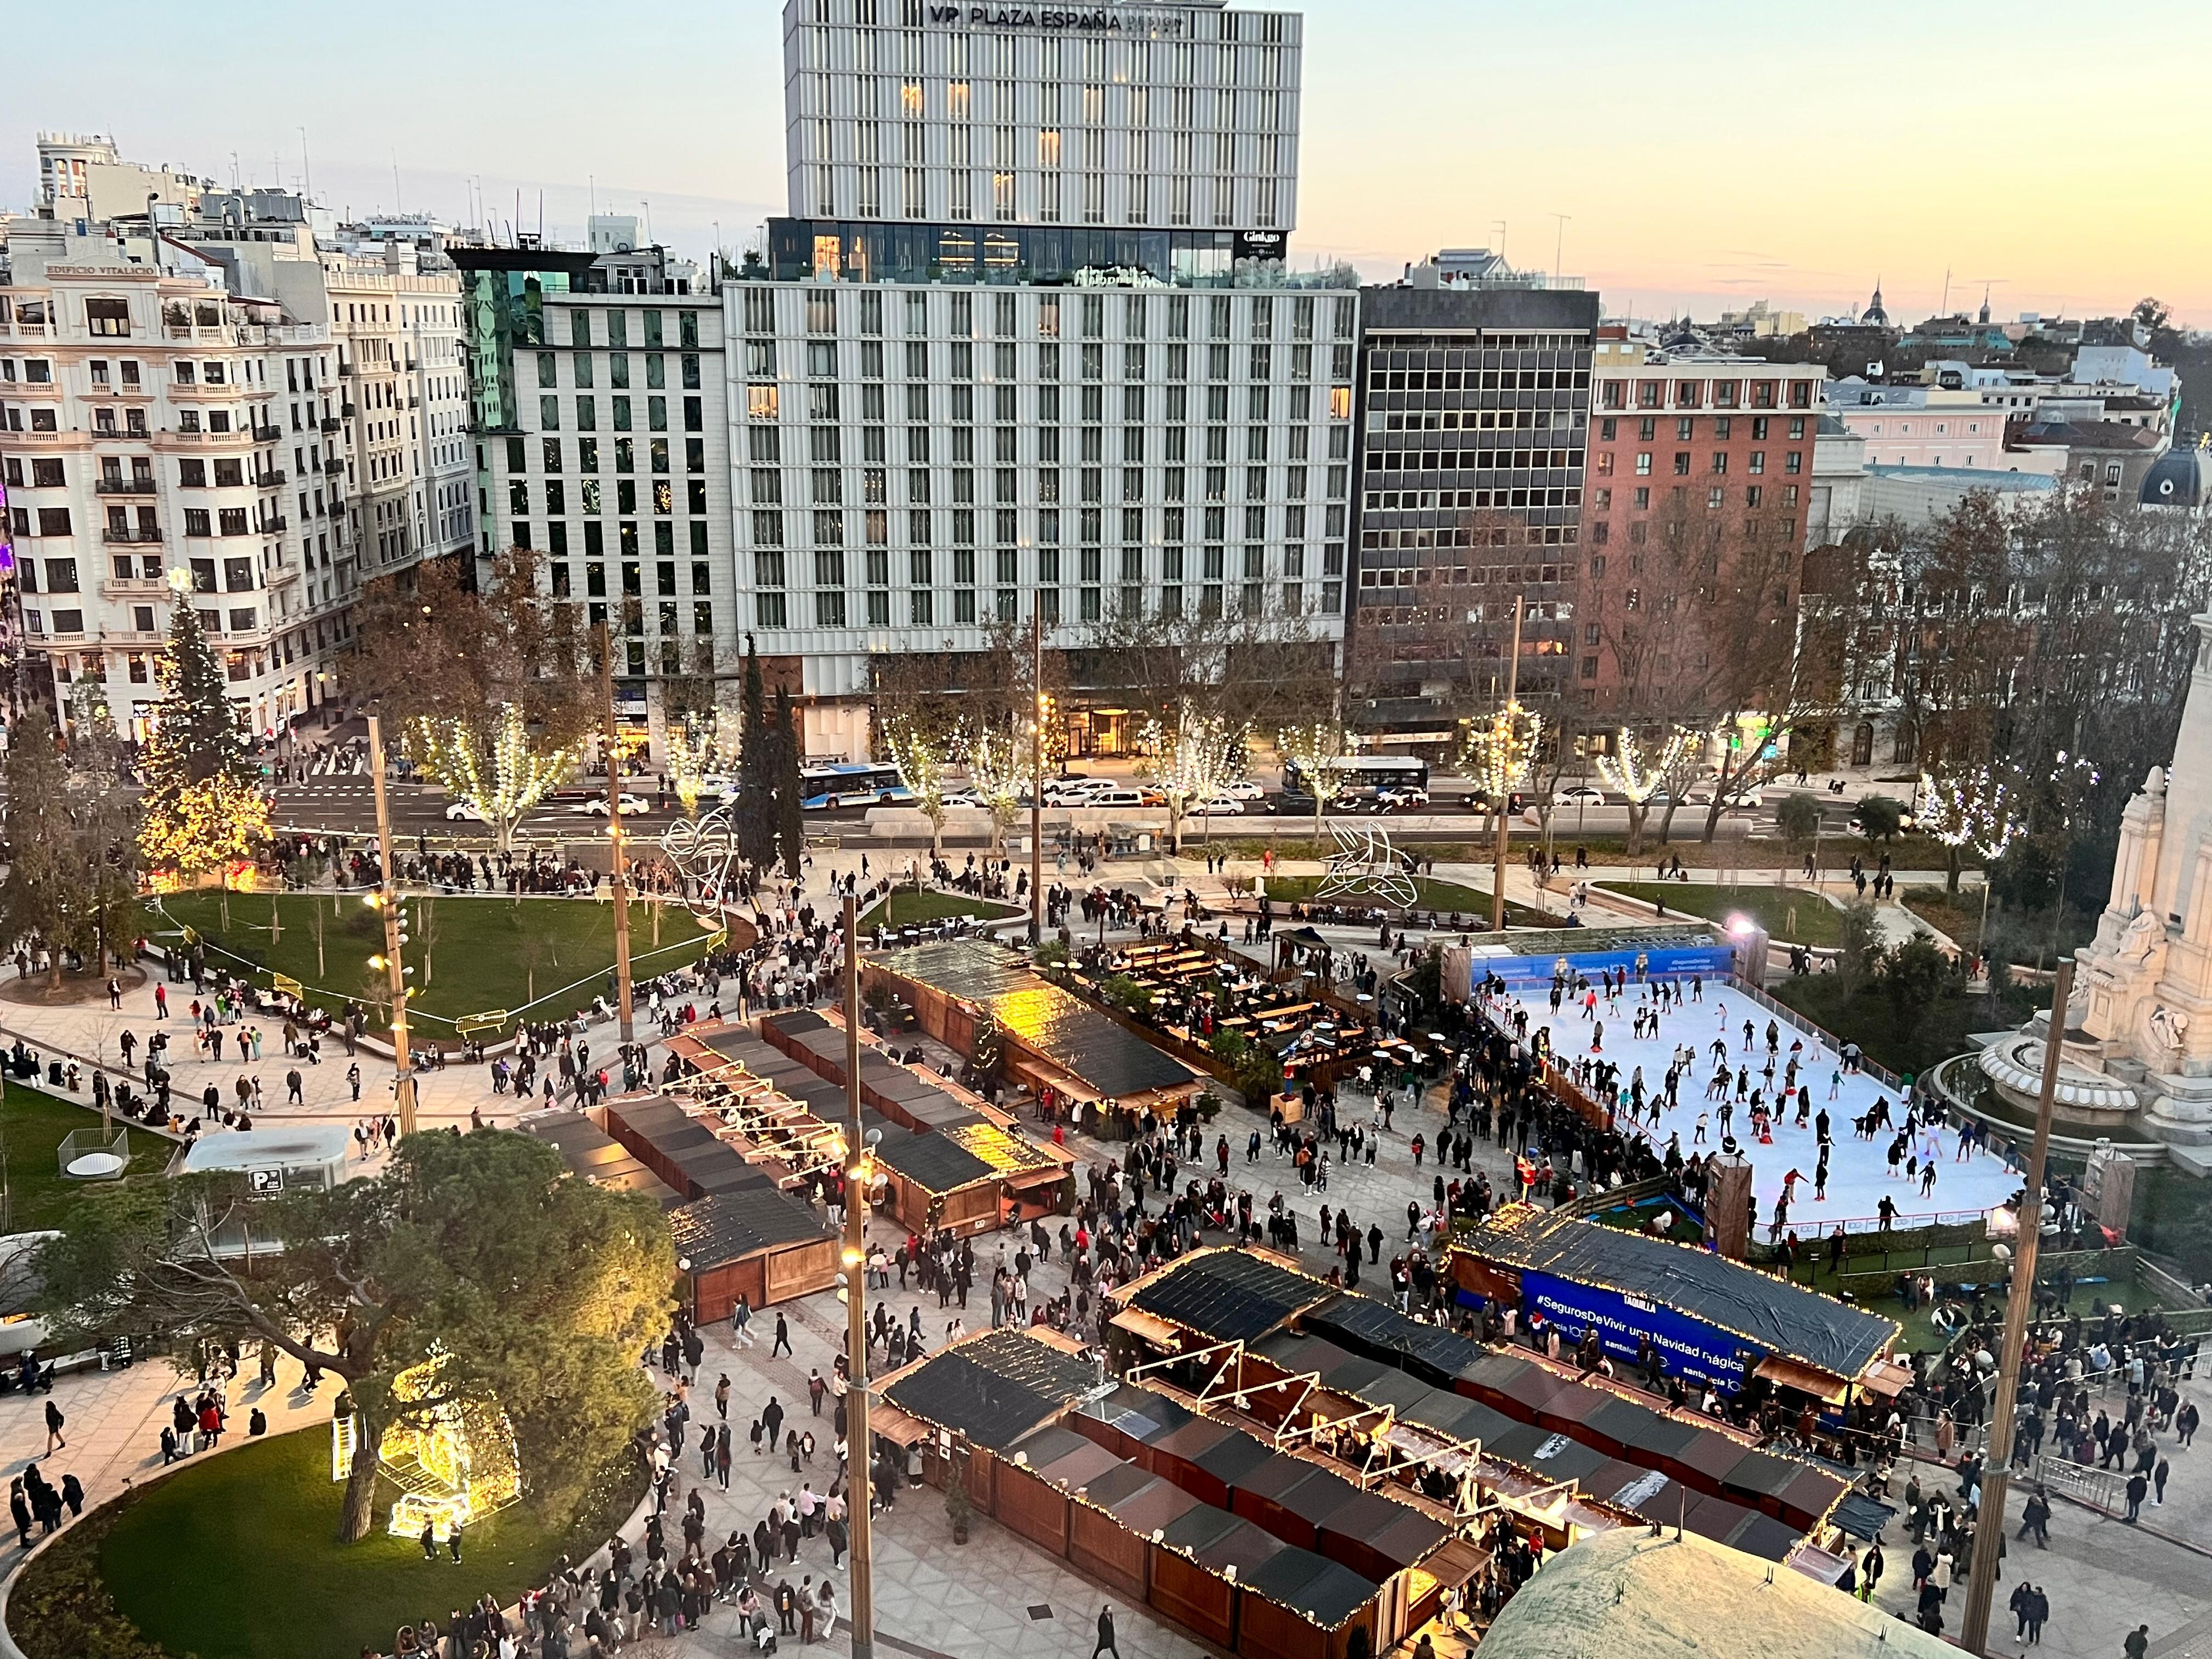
[[1028, 343]]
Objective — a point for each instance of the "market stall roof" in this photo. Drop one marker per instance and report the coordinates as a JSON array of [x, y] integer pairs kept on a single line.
[[1078, 1467], [1109, 1486], [1626, 1594], [1242, 1547], [1229, 1294], [725, 1226], [1154, 1506], [1398, 1533], [1782, 1318], [1047, 1445], [1145, 1415], [1364, 1325], [1641, 1429], [1232, 1459], [1308, 1584], [934, 1161], [994, 1388], [1075, 1036], [591, 1152]]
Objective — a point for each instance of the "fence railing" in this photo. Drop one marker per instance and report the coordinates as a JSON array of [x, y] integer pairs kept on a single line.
[[1795, 1017]]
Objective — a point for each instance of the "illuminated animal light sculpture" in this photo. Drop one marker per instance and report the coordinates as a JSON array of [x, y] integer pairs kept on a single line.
[[454, 1462], [1366, 866]]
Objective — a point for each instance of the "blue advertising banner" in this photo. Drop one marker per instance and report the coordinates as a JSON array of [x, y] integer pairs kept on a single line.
[[1693, 1349]]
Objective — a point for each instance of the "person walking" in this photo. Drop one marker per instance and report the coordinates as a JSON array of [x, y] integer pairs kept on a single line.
[[54, 1421], [2036, 1519], [2138, 1641], [782, 1343], [1105, 1643]]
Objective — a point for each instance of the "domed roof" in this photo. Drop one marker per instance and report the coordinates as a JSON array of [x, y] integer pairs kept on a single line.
[[2180, 477]]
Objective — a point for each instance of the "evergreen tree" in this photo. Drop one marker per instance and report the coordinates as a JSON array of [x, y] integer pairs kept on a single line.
[[756, 770], [791, 830], [42, 889], [196, 736]]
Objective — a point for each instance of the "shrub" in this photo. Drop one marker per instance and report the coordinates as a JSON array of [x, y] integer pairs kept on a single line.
[[1881, 817]]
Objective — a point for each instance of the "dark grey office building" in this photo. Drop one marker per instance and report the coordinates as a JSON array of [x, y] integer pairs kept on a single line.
[[1472, 412]]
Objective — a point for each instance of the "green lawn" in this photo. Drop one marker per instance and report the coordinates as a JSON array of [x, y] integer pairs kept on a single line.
[[266, 1512], [1442, 896], [32, 1126], [905, 906], [470, 955], [1907, 1037], [1786, 912]]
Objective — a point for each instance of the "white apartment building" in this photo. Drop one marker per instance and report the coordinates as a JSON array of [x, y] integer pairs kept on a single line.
[[126, 349], [1915, 425], [1027, 345], [143, 429]]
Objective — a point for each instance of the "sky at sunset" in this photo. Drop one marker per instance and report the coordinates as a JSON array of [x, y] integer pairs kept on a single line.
[[1706, 154]]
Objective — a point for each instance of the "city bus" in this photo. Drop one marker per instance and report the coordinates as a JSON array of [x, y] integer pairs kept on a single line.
[[1362, 776], [822, 788]]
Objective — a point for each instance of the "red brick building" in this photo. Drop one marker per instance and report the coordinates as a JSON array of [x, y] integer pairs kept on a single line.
[[1698, 464]]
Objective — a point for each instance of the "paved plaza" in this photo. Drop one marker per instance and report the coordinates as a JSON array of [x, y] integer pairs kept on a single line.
[[998, 1596]]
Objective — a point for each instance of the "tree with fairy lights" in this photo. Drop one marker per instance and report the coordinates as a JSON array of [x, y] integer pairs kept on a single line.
[[494, 766], [920, 754], [1312, 751], [203, 809], [1644, 764], [701, 745], [999, 777], [1499, 752], [1190, 763], [1969, 809]]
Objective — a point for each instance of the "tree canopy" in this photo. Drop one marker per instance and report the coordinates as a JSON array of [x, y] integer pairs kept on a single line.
[[533, 1288]]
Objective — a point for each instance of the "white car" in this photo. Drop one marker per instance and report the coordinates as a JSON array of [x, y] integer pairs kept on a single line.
[[1397, 798], [629, 804], [459, 811], [1075, 792], [1243, 789], [1578, 795], [962, 798], [1216, 806]]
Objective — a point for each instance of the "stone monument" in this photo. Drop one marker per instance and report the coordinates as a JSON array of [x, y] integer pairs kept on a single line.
[[2138, 1035]]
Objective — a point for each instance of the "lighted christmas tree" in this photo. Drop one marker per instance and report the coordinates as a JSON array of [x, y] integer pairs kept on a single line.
[[203, 807]]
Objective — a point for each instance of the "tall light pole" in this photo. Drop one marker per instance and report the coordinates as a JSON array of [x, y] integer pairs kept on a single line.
[[858, 1452], [615, 836], [1499, 807], [1997, 1463], [1037, 771], [387, 899]]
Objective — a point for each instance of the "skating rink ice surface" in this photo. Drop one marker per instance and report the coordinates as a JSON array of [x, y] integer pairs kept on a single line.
[[1858, 1170]]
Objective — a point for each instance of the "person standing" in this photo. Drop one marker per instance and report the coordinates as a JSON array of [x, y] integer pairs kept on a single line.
[[2138, 1641], [2138, 1488]]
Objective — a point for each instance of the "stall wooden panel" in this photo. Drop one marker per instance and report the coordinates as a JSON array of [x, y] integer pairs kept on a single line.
[[1266, 1630], [1194, 1598], [800, 1270], [716, 1291], [1102, 1546], [1024, 1504]]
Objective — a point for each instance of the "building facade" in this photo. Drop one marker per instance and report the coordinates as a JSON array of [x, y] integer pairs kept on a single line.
[[1027, 346], [602, 444], [1684, 446], [1473, 404]]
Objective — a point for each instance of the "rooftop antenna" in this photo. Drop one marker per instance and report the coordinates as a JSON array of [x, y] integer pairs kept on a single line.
[[541, 216], [1559, 247], [1944, 310], [306, 171], [1499, 226], [395, 183]]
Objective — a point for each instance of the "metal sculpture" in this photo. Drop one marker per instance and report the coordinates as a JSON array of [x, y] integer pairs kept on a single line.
[[704, 852], [1366, 866]]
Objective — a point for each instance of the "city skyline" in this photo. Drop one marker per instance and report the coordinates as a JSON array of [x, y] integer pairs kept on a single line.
[[698, 146]]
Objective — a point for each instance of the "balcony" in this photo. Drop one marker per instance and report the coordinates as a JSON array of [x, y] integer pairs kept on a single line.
[[271, 479], [23, 331], [267, 434], [196, 440], [134, 486], [330, 423], [283, 576], [134, 587], [348, 368], [414, 400], [348, 411], [334, 468], [141, 535], [276, 526]]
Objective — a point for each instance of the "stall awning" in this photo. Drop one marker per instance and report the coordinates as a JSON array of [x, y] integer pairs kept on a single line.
[[1788, 1374], [1145, 1329], [900, 1428], [1887, 1379]]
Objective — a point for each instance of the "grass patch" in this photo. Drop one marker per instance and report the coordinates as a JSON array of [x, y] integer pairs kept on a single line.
[[1789, 914], [119, 1583], [1959, 918], [31, 1125], [1908, 1037], [1747, 853], [905, 906], [1444, 897], [470, 955]]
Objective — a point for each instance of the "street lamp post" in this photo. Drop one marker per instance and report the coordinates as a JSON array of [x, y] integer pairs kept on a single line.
[[858, 1450], [1996, 1470], [387, 899], [615, 839], [1037, 772], [1499, 807]]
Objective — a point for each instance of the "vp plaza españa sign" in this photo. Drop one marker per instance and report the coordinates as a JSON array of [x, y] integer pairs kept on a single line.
[[1083, 20]]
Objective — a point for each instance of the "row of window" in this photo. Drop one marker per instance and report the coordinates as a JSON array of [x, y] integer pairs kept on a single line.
[[1653, 393], [1793, 462], [613, 329], [832, 609], [582, 372], [592, 499], [827, 528], [585, 412], [959, 360], [593, 543], [622, 455], [1639, 498], [1046, 315], [1686, 428]]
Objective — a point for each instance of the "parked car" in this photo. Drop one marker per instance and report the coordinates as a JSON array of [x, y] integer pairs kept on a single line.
[[1243, 789], [1216, 806], [1578, 795], [627, 803], [1112, 796]]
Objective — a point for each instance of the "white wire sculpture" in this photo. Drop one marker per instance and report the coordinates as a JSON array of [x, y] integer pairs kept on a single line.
[[1366, 866], [704, 851]]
